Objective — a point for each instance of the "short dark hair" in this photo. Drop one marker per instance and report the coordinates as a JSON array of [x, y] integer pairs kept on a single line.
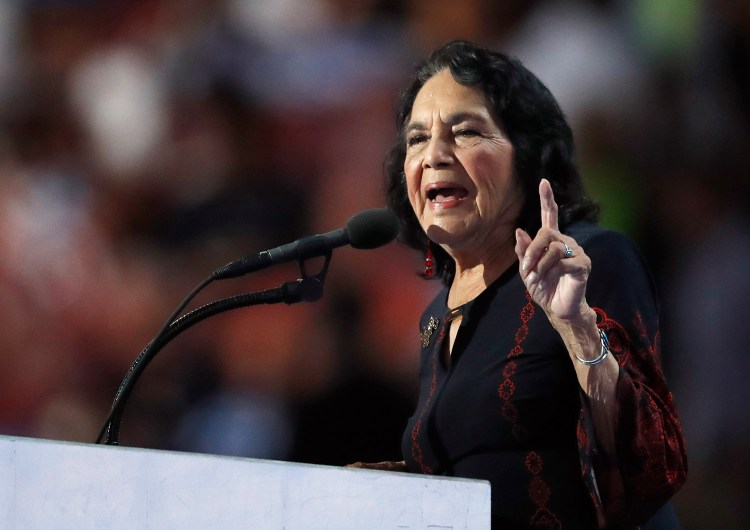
[[531, 118]]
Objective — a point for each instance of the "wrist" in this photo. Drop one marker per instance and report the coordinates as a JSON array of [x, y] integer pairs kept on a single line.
[[603, 352], [581, 325], [581, 335]]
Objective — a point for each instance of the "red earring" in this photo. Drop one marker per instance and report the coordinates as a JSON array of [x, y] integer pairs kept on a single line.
[[429, 270]]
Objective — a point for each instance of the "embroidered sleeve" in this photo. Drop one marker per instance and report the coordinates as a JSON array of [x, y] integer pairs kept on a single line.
[[649, 464]]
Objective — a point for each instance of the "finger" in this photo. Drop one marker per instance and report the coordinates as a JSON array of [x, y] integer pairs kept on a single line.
[[577, 267], [523, 240], [548, 204], [545, 277], [537, 248], [556, 254], [538, 282]]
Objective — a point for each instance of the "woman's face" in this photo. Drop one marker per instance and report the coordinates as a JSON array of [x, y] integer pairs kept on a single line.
[[459, 168]]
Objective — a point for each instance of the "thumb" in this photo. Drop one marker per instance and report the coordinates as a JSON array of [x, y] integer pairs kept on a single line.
[[523, 240]]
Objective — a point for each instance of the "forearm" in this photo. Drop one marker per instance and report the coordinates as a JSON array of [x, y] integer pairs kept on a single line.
[[598, 381]]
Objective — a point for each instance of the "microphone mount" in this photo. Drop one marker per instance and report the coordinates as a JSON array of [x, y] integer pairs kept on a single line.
[[365, 230], [308, 288]]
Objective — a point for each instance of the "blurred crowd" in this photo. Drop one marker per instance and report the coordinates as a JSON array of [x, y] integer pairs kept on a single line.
[[144, 143]]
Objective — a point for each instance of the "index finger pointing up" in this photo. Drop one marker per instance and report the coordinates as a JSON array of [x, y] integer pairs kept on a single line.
[[549, 206]]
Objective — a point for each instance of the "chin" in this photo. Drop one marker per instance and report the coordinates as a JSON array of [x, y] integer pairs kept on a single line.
[[446, 233]]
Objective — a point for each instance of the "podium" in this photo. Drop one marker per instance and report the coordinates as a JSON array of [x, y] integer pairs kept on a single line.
[[62, 485]]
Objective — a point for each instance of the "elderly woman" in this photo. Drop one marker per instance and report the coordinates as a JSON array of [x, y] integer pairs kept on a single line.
[[540, 357]]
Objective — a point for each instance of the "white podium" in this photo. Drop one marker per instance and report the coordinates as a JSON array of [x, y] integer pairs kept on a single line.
[[59, 485]]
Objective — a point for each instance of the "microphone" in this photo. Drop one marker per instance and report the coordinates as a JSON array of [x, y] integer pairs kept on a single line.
[[368, 229]]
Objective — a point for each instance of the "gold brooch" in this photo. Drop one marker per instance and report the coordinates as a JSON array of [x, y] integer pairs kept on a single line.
[[428, 330]]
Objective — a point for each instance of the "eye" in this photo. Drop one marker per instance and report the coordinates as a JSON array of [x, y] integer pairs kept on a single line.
[[415, 139], [467, 132]]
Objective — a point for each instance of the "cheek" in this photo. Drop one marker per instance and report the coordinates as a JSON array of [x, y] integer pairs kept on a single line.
[[413, 182], [494, 173]]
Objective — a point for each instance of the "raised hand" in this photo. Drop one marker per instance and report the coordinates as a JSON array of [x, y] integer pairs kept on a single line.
[[553, 266]]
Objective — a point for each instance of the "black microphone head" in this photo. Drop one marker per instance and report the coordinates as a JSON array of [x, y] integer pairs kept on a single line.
[[372, 228]]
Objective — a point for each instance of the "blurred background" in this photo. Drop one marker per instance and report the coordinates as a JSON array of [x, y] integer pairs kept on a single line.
[[144, 143]]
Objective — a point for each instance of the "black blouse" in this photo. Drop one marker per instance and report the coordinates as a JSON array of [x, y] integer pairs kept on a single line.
[[506, 406]]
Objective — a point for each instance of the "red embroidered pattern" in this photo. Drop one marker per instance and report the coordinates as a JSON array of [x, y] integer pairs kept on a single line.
[[539, 490], [539, 493], [619, 344], [507, 388], [416, 449]]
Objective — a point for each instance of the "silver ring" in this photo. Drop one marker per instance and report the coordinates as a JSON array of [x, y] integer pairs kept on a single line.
[[568, 251]]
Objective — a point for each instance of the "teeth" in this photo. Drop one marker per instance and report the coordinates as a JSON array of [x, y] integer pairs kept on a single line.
[[445, 194], [438, 193]]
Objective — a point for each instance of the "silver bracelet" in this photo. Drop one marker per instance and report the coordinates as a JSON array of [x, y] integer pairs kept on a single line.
[[602, 354]]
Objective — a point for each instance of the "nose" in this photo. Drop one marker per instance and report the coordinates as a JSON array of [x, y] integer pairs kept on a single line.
[[437, 153]]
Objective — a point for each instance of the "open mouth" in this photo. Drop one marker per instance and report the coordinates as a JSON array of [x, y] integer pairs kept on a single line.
[[446, 193]]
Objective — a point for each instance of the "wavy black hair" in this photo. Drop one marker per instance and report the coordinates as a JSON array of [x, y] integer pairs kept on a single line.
[[531, 118]]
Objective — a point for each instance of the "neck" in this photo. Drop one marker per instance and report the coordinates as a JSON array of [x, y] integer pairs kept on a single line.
[[474, 274]]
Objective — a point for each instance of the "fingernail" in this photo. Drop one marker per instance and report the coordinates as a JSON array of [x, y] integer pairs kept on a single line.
[[525, 264], [532, 277]]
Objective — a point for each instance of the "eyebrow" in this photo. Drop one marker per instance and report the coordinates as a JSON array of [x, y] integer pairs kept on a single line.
[[453, 119]]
